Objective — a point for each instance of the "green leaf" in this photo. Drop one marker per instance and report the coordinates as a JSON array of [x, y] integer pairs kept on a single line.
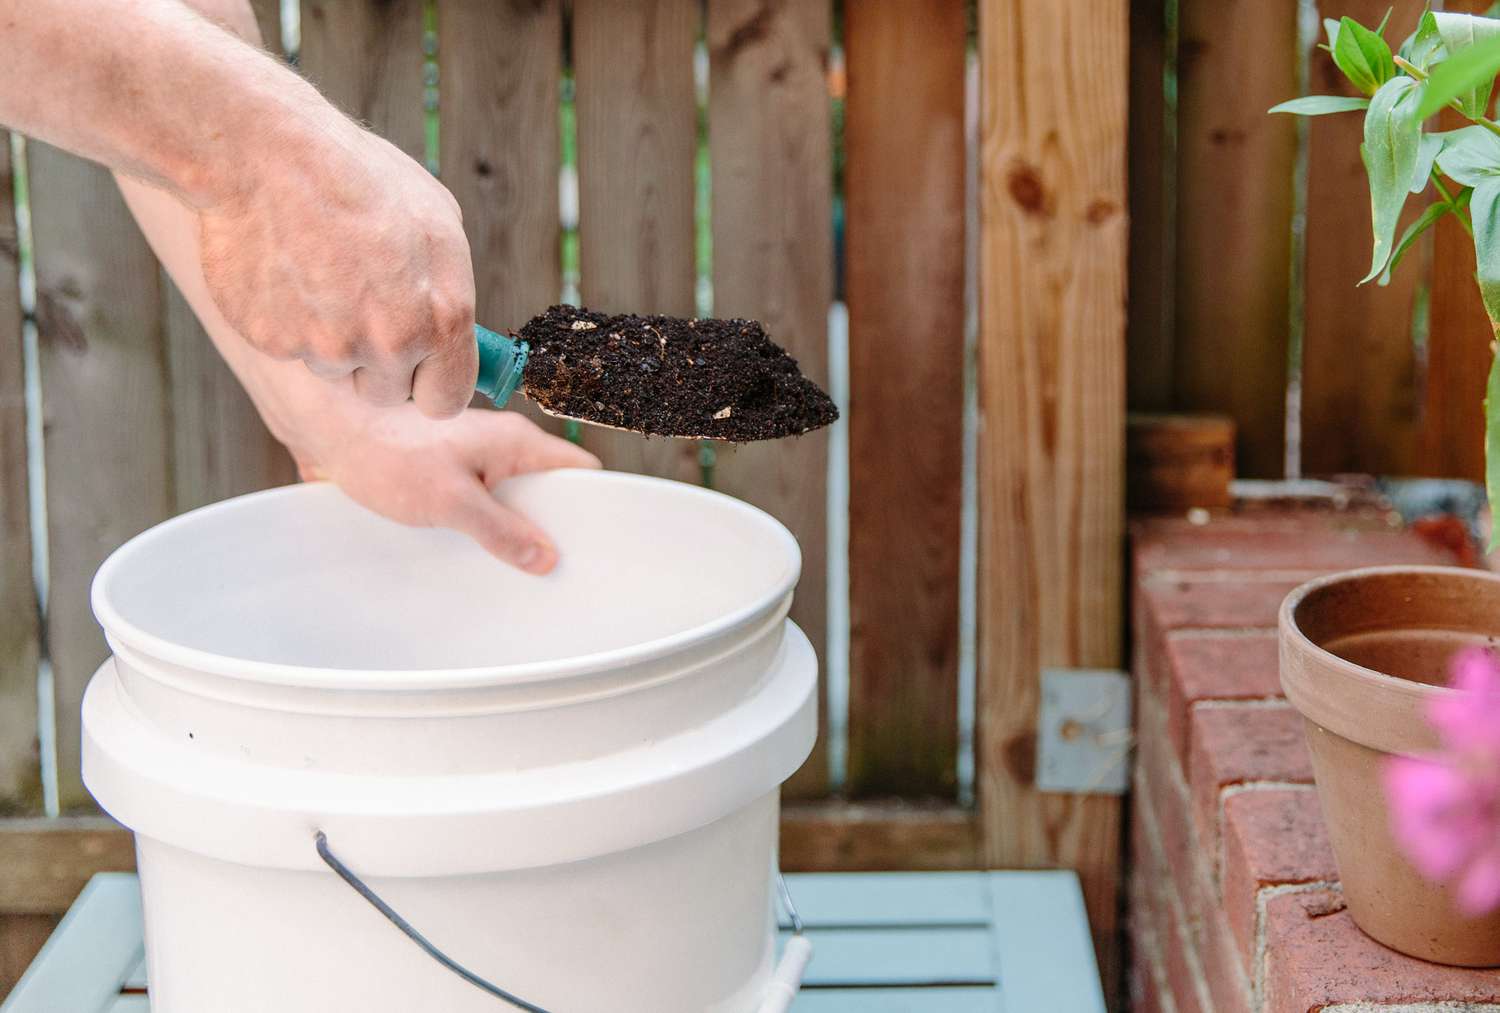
[[1320, 105], [1332, 28], [1484, 213], [1426, 220], [1363, 56], [1392, 153], [1470, 155], [1492, 448], [1425, 46], [1468, 74], [1428, 149]]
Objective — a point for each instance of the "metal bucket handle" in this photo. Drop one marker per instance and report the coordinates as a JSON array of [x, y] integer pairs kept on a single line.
[[785, 982]]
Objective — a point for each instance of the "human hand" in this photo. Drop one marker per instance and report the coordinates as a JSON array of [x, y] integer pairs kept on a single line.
[[437, 474], [334, 248]]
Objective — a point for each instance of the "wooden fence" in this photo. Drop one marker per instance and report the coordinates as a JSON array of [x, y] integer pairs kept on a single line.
[[1248, 234], [139, 420]]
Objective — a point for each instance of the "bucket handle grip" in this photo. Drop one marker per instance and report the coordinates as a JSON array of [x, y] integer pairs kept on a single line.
[[786, 980], [359, 887]]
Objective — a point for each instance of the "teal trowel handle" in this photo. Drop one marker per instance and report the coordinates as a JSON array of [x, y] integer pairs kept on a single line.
[[502, 360]]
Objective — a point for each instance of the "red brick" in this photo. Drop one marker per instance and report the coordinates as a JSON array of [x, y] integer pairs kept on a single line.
[[1313, 547], [1216, 666], [1160, 916], [1236, 744], [1317, 957], [1271, 838], [1182, 875], [1228, 983], [1180, 603]]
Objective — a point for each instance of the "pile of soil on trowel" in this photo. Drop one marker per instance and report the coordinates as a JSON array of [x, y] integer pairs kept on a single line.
[[664, 376]]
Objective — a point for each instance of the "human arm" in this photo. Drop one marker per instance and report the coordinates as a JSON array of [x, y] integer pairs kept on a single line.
[[320, 242], [393, 460]]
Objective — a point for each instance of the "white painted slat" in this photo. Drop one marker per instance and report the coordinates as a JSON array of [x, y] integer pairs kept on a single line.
[[135, 981], [131, 1004], [96, 945], [891, 898], [902, 956], [898, 1000], [1041, 934]]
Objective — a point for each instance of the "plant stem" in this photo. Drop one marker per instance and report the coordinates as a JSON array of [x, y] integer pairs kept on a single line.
[[1458, 212], [1422, 75]]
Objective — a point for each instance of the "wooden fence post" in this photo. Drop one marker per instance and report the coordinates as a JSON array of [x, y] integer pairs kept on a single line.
[[1451, 439], [20, 774], [637, 134], [107, 402], [904, 131], [1235, 183], [1359, 393], [771, 145], [1052, 394]]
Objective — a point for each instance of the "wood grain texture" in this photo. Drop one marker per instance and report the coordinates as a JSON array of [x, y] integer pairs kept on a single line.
[[1451, 438], [839, 837], [904, 130], [1450, 441], [637, 131], [48, 861], [107, 410], [1052, 401], [770, 142], [1235, 173], [220, 446], [268, 19], [21, 938], [20, 617], [366, 57], [1359, 366], [1150, 382], [501, 80]]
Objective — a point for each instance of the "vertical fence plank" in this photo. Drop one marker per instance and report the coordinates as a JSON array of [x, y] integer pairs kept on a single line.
[[220, 446], [106, 400], [366, 57], [268, 19], [501, 81], [20, 779], [1051, 390], [1450, 439], [637, 132], [1149, 381], [1359, 396], [904, 130], [1235, 192], [771, 147]]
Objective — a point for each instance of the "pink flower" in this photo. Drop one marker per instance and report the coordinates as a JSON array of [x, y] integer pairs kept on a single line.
[[1445, 808]]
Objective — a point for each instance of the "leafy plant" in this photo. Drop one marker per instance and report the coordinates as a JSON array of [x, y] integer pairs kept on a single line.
[[1449, 62]]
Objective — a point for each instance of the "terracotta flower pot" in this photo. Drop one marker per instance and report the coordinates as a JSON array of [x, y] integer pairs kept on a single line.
[[1362, 654]]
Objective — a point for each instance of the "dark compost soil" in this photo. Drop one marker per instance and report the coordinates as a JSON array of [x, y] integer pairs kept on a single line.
[[663, 376]]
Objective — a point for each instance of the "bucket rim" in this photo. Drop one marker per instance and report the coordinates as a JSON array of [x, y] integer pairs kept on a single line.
[[122, 633]]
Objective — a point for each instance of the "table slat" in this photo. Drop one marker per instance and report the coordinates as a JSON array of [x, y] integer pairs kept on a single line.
[[95, 946], [899, 1000], [884, 898]]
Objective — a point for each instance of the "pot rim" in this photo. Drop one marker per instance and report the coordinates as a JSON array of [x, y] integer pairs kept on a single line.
[[1361, 684]]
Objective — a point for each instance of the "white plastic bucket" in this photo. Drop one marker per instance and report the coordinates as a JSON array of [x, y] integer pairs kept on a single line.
[[569, 784]]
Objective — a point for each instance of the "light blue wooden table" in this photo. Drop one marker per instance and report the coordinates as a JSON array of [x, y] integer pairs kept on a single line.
[[948, 942]]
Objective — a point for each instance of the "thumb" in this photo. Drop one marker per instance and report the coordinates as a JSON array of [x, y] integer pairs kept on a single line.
[[500, 530]]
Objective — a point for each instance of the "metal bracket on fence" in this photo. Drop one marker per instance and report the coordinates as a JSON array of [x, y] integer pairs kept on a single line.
[[1084, 736]]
